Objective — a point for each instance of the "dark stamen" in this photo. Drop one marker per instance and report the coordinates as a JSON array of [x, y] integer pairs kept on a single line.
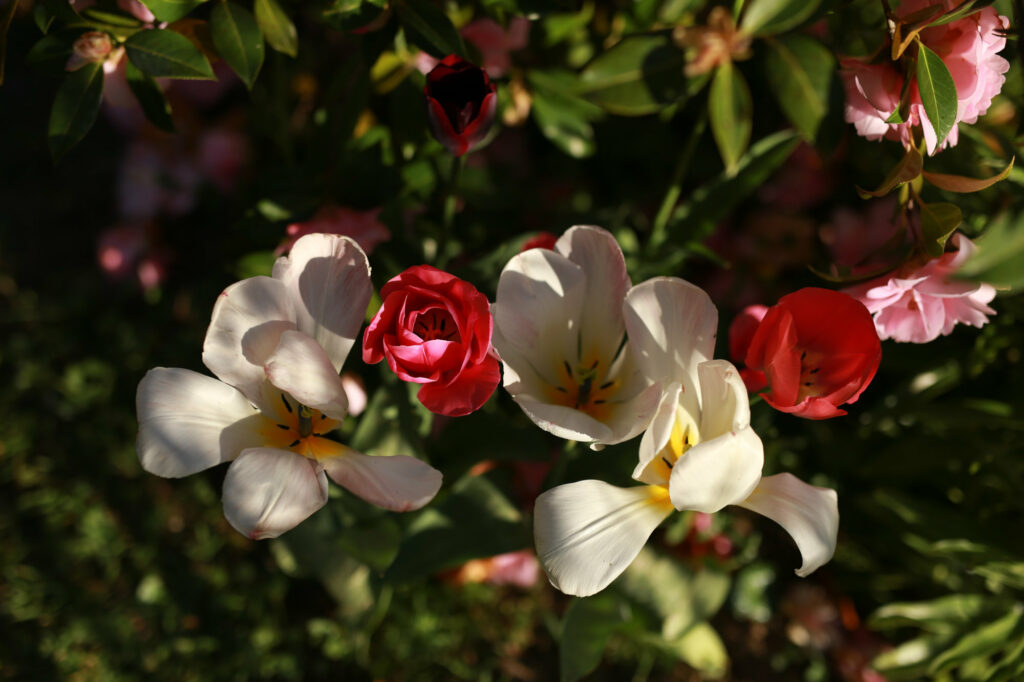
[[282, 426], [285, 401], [600, 402], [594, 366], [559, 388], [568, 369], [807, 383], [668, 463], [294, 443], [607, 384], [815, 370], [803, 355]]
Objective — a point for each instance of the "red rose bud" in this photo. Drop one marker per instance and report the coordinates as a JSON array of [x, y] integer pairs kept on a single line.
[[434, 329], [818, 349], [741, 332], [461, 101]]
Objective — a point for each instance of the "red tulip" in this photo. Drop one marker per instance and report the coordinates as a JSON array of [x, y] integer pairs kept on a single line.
[[741, 333], [461, 101], [818, 349]]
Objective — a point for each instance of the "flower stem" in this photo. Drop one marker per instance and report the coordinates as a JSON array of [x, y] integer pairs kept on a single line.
[[450, 200], [659, 234]]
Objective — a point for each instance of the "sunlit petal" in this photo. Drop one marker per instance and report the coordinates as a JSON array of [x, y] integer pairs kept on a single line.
[[300, 367], [717, 472], [399, 483]]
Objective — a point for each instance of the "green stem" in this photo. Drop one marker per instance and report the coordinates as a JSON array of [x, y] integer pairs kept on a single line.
[[659, 234], [450, 201]]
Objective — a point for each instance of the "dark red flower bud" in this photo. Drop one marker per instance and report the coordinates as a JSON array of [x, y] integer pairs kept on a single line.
[[461, 101], [818, 349]]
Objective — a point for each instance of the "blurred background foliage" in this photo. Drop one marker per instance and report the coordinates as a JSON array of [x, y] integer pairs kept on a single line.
[[109, 573]]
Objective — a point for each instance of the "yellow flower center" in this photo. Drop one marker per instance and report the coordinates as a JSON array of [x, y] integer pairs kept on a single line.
[[586, 388], [683, 437], [299, 428]]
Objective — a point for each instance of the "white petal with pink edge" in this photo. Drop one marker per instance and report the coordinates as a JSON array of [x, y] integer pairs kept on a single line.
[[328, 280], [808, 513], [399, 482], [248, 320], [588, 532], [300, 367], [269, 491], [189, 422]]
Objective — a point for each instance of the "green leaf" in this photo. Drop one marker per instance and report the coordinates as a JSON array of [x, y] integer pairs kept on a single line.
[[700, 647], [166, 54], [277, 28], [171, 10], [637, 76], [151, 98], [800, 73], [903, 172], [999, 259], [353, 15], [430, 28], [6, 15], [110, 20], [475, 520], [731, 114], [589, 624], [982, 641], [955, 610], [55, 45], [1008, 573], [963, 185], [962, 10], [563, 117], [75, 108], [938, 222], [769, 17], [238, 39], [938, 92]]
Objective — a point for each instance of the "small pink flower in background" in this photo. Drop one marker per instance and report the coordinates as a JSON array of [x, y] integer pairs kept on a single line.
[[492, 41], [363, 226], [917, 304], [741, 332], [120, 248], [153, 180], [969, 47], [514, 568], [543, 240], [221, 156], [355, 391], [854, 237], [137, 10], [152, 271]]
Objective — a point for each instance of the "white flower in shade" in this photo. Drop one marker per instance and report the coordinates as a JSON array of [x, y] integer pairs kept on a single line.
[[699, 453], [559, 330], [277, 345]]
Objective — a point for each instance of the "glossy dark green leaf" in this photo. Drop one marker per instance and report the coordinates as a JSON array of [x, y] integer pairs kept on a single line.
[[75, 108], [238, 40], [429, 28], [6, 15], [800, 72], [937, 223], [111, 19], [171, 10], [166, 54], [908, 168], [353, 15], [731, 113], [962, 184], [770, 17], [638, 76], [54, 45], [150, 97], [277, 27], [964, 9], [474, 520], [589, 624], [938, 92]]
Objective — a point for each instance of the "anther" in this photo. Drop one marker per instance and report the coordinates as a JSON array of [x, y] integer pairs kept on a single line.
[[283, 427], [285, 401]]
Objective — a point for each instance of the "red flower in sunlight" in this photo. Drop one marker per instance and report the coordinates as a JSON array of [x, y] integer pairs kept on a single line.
[[741, 332], [543, 240], [435, 329], [461, 101], [818, 349]]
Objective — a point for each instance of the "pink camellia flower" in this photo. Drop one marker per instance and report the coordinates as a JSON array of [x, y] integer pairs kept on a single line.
[[95, 47], [969, 48], [818, 349], [363, 226], [495, 43], [741, 332], [434, 329], [917, 304]]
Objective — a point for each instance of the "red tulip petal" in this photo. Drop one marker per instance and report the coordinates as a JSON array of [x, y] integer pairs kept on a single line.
[[466, 394]]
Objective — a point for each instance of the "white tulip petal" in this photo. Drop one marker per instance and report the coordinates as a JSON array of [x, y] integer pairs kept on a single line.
[[656, 437], [808, 513], [600, 258], [301, 368], [537, 310], [717, 472], [564, 422], [328, 279], [671, 326], [725, 405], [189, 422], [399, 483], [248, 320], [588, 532], [269, 491]]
